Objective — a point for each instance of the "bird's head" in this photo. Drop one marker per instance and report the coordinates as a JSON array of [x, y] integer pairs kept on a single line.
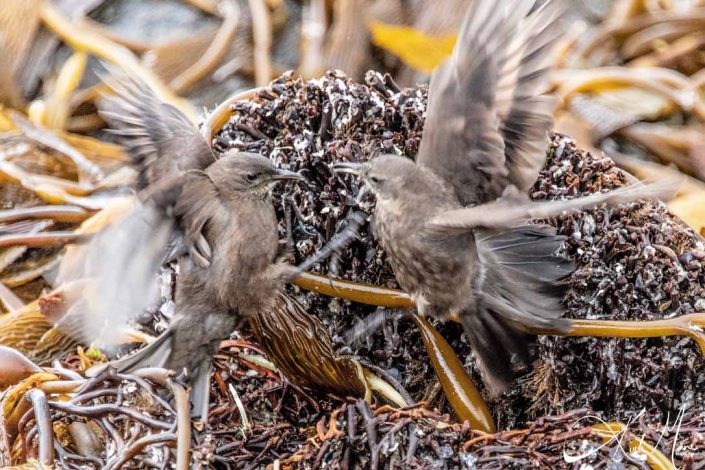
[[243, 173], [387, 176]]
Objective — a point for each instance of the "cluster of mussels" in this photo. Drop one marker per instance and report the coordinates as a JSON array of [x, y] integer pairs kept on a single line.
[[636, 262]]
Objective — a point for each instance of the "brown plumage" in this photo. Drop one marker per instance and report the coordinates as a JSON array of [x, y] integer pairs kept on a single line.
[[225, 241], [223, 233], [449, 220]]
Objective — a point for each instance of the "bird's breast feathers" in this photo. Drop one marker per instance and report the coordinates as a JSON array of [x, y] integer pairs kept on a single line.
[[422, 265]]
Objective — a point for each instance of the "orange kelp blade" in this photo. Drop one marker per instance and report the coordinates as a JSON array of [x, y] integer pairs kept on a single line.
[[691, 325], [299, 346], [458, 387]]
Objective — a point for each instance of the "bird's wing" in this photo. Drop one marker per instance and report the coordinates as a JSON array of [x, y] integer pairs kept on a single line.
[[487, 123], [197, 203], [159, 138], [518, 288], [509, 211], [164, 147], [117, 271]]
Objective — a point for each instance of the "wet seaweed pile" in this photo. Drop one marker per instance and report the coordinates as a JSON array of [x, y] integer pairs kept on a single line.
[[111, 420], [357, 437], [637, 262], [258, 420], [255, 415]]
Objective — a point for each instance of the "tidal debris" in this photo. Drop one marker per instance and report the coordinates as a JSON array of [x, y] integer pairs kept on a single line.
[[637, 262]]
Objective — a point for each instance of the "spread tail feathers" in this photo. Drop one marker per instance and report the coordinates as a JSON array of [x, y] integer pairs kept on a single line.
[[157, 354], [499, 347], [518, 287]]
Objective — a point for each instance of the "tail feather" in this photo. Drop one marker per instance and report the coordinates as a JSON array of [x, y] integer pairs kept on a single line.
[[519, 288], [521, 274], [158, 353], [500, 348]]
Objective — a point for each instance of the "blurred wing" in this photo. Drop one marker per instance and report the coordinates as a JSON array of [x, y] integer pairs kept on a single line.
[[198, 202], [486, 125], [507, 212], [517, 289], [118, 273], [159, 138], [521, 273], [526, 116]]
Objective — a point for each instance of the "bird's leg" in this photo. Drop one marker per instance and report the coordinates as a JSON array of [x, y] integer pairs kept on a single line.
[[337, 243], [691, 325], [364, 328]]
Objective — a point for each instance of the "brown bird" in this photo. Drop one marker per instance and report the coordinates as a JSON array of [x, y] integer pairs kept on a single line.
[[443, 219], [224, 240], [223, 234]]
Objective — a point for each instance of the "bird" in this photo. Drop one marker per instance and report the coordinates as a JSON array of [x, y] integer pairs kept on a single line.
[[213, 217], [455, 221], [228, 206]]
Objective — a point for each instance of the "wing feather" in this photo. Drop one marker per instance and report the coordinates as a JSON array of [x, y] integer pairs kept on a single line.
[[159, 138], [508, 211], [487, 121]]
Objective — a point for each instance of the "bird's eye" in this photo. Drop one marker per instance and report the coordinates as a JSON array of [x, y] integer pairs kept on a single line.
[[251, 177], [375, 179]]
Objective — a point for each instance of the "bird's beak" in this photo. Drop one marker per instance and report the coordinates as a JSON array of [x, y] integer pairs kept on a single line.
[[348, 167], [288, 175]]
